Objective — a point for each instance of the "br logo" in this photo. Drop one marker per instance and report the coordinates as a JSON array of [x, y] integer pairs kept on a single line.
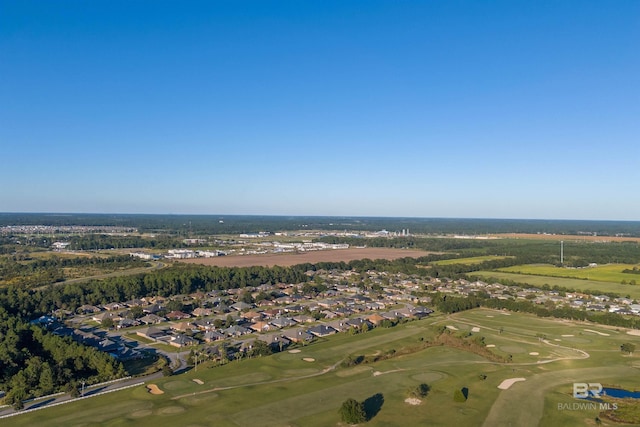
[[584, 390]]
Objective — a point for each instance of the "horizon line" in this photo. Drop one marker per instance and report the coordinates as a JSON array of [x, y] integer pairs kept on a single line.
[[314, 216]]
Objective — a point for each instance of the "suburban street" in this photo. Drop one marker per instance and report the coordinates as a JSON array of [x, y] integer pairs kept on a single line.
[[89, 391]]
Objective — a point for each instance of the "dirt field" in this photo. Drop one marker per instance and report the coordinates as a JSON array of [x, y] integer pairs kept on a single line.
[[286, 260]]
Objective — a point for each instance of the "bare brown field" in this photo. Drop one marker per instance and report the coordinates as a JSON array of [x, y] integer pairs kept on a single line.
[[289, 259], [565, 237]]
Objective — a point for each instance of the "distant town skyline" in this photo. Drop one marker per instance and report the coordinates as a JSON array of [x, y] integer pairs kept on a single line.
[[505, 109]]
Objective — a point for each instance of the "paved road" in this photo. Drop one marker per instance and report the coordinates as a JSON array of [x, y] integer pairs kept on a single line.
[[88, 391]]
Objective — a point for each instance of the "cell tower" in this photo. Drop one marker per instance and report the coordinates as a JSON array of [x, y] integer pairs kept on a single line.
[[561, 252]]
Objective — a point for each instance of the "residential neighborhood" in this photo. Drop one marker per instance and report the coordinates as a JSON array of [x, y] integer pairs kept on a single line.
[[286, 314]]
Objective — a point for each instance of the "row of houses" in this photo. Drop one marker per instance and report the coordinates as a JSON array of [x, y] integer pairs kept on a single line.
[[280, 330], [90, 337]]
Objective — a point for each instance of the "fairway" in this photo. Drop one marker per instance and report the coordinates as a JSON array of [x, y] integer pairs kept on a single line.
[[470, 260], [602, 273], [575, 284], [287, 389]]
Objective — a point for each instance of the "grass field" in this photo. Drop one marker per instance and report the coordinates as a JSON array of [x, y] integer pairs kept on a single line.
[[285, 390], [469, 261], [576, 284], [602, 273]]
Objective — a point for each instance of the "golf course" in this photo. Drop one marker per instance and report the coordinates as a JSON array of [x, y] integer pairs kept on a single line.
[[305, 385]]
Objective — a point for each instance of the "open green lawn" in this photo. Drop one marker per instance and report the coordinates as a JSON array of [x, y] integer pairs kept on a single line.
[[602, 273], [285, 390], [469, 261], [576, 284]]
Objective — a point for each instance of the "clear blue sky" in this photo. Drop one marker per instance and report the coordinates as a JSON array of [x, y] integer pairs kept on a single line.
[[499, 109]]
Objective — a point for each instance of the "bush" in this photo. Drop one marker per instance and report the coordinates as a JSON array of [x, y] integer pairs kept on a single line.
[[420, 391], [166, 371], [352, 411], [460, 395], [352, 361]]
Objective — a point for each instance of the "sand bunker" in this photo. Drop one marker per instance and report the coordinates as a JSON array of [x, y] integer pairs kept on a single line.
[[567, 336], [557, 339], [308, 359], [506, 314], [596, 332], [488, 315], [154, 389], [197, 381], [534, 353], [376, 373], [294, 351], [170, 410], [453, 328], [413, 401], [504, 385], [490, 345], [475, 329], [634, 332]]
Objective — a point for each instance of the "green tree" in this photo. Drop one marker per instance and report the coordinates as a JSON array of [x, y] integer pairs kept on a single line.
[[107, 323], [137, 312], [628, 348], [460, 395], [352, 411], [420, 391], [46, 384], [166, 371]]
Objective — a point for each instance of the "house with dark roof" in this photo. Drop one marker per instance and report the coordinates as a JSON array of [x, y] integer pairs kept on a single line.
[[276, 341], [297, 335], [181, 340], [321, 330], [236, 331], [241, 305], [213, 335], [151, 319], [282, 322], [152, 333]]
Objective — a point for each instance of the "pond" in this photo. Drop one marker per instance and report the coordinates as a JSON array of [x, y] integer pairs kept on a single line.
[[620, 393]]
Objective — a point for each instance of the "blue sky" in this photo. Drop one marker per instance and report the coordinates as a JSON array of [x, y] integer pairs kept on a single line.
[[513, 109]]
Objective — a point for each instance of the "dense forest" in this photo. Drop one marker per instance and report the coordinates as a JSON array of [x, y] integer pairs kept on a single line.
[[229, 224], [34, 362]]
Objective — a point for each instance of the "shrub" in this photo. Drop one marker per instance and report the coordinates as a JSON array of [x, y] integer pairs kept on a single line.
[[420, 391], [352, 411], [461, 395]]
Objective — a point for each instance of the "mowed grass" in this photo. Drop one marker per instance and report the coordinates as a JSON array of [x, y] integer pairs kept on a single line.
[[470, 260], [576, 284], [285, 390], [602, 273]]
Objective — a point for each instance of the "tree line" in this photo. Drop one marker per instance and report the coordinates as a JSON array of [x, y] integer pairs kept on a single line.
[[35, 362], [180, 279]]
